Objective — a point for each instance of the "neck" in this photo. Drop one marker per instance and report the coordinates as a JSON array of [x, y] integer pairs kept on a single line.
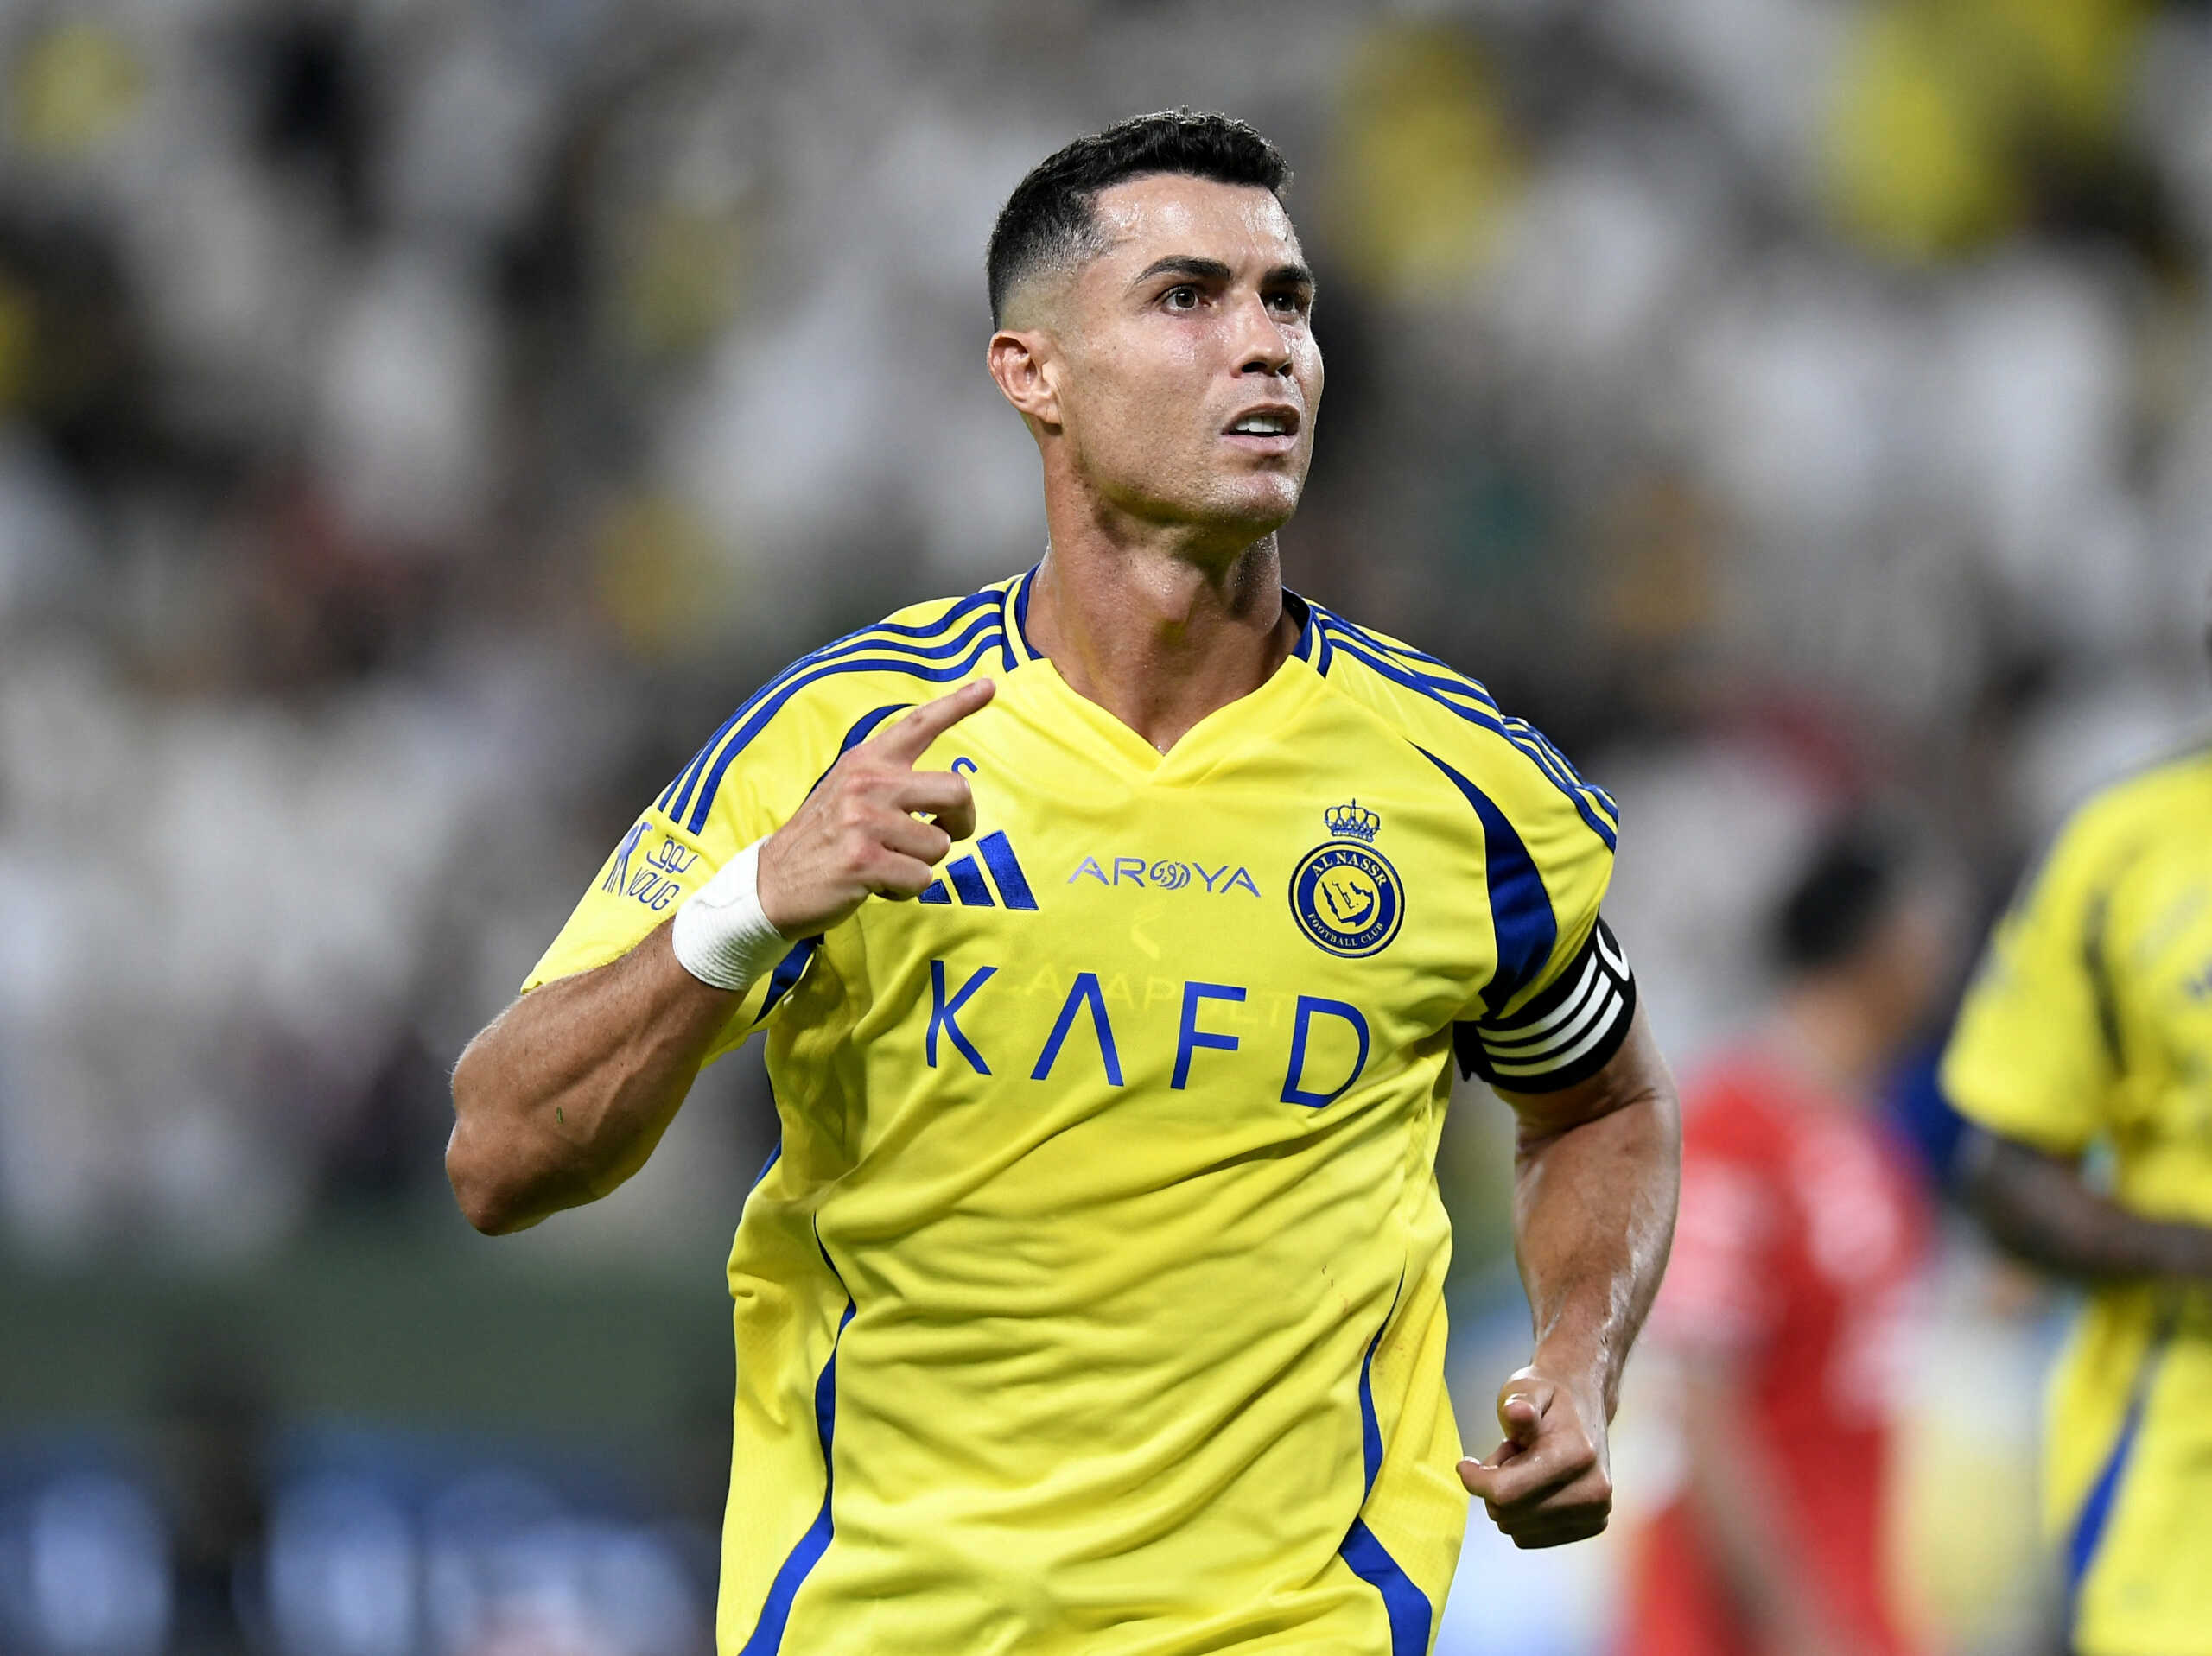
[[1828, 1033], [1157, 631]]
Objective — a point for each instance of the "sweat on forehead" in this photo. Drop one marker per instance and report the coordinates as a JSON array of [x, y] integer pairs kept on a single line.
[[1050, 224]]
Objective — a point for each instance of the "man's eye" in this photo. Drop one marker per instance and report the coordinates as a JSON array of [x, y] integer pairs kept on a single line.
[[1290, 304], [1183, 297]]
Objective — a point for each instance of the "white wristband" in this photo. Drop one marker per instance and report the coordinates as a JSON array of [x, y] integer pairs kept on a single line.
[[721, 936]]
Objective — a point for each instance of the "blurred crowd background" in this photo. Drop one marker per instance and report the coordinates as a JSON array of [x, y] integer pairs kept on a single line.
[[420, 423]]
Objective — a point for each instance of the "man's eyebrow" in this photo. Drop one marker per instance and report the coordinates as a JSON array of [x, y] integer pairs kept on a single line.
[[1199, 268], [1185, 264]]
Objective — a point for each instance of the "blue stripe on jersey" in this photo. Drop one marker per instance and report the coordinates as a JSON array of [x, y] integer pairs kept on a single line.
[[862, 728], [1445, 681], [1539, 745], [776, 1612], [2096, 1516], [977, 638], [1594, 806], [806, 670], [1014, 884], [1520, 908], [793, 965], [1453, 696], [917, 638], [968, 880], [1405, 1605], [787, 973], [919, 635], [935, 892], [1371, 1428], [674, 797], [1020, 630], [1303, 648], [865, 726], [1445, 676]]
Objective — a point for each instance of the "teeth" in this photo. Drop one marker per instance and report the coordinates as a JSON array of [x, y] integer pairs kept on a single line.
[[1261, 425]]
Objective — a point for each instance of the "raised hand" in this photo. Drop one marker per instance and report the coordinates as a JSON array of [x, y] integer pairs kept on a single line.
[[1548, 1482], [859, 834]]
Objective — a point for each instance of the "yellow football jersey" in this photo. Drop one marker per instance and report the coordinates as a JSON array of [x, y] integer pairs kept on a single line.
[[1094, 1299], [2091, 1022]]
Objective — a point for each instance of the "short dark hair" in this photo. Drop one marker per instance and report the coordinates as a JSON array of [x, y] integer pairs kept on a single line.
[[1051, 215], [1840, 897]]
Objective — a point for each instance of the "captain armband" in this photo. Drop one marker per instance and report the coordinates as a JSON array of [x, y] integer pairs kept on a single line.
[[722, 935], [1566, 1034]]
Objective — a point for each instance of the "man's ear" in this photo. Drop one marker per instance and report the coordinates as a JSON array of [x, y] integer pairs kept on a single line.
[[1023, 362]]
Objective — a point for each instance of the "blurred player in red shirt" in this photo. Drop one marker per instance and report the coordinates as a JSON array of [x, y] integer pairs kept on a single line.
[[1802, 1231]]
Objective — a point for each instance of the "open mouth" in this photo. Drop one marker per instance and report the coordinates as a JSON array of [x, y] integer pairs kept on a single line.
[[1275, 423]]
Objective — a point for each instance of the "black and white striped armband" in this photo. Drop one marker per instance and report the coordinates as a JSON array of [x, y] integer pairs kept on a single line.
[[1566, 1034]]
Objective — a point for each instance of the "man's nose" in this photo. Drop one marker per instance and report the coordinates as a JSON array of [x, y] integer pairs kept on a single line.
[[1262, 346]]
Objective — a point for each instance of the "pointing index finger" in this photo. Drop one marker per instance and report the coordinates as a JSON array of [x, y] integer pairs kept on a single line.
[[904, 742]]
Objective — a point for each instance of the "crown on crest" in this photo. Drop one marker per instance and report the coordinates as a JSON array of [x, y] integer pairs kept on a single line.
[[1351, 821]]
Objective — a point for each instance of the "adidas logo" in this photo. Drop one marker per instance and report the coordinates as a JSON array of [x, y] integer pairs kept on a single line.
[[971, 891]]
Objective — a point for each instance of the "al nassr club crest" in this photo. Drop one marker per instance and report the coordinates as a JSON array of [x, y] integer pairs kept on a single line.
[[1346, 895]]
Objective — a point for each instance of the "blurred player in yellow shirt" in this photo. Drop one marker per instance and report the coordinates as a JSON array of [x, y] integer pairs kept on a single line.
[[2089, 1029], [1112, 930]]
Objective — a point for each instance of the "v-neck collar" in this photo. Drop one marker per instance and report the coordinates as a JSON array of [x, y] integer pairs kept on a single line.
[[1198, 749]]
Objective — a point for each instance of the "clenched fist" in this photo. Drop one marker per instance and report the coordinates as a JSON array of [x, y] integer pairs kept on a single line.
[[860, 832], [1548, 1482]]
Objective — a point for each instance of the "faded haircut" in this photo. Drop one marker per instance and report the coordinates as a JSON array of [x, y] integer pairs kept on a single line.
[[1050, 218]]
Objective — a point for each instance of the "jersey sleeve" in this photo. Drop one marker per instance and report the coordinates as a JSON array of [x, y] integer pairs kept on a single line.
[[2032, 1056], [1563, 998], [1558, 1000], [741, 786]]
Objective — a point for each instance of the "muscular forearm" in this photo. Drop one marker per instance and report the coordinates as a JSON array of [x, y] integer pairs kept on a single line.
[[2038, 1206], [1593, 1215], [564, 1096], [1598, 1169]]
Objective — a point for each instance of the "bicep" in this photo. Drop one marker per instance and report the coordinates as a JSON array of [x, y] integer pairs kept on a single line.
[[1633, 1074]]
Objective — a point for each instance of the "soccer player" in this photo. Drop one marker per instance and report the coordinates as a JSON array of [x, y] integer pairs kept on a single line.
[[2090, 1027], [1802, 1230], [1113, 928]]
